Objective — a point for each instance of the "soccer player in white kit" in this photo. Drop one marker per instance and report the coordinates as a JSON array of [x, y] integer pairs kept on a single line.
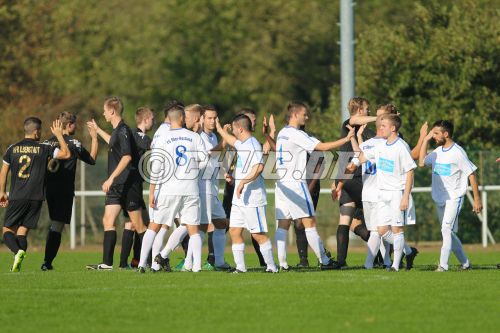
[[249, 199], [293, 200], [395, 168], [451, 168], [176, 157]]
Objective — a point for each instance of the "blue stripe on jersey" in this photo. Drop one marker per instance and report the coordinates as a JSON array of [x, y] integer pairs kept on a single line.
[[307, 201], [458, 211], [258, 219], [404, 212]]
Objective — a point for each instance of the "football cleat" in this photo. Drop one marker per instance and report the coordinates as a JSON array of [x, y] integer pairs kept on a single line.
[[332, 264], [224, 267], [18, 260], [208, 267], [99, 267], [270, 270], [180, 265], [465, 267], [235, 271], [163, 262], [304, 263], [284, 269], [392, 269], [46, 267], [440, 269], [141, 270], [134, 263], [410, 258]]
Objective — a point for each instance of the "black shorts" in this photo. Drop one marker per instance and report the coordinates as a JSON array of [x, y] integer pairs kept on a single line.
[[128, 195], [145, 213], [60, 206], [351, 192], [23, 213]]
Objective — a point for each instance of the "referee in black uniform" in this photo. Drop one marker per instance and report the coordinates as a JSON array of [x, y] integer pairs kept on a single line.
[[123, 187], [27, 160], [61, 183]]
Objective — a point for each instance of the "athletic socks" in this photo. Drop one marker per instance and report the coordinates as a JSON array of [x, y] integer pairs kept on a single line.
[[302, 245], [147, 243], [399, 241], [219, 242], [22, 241], [10, 241], [185, 243], [386, 253], [373, 245], [127, 242], [317, 245], [177, 236], [342, 243], [137, 247], [52, 245], [189, 260], [256, 246], [362, 232], [239, 256], [108, 247], [193, 258], [267, 252], [211, 251], [388, 237], [280, 237], [157, 245]]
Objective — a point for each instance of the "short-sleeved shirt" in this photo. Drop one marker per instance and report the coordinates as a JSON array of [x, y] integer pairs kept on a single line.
[[451, 169], [393, 163], [61, 177], [292, 147], [249, 154], [347, 147], [121, 144], [142, 141], [208, 182], [28, 160], [177, 156], [369, 170]]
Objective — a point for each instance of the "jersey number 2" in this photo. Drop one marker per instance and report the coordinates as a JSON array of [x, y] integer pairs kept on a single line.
[[27, 161]]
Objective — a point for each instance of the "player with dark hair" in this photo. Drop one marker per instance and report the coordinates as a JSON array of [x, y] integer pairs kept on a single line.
[[123, 187], [27, 160], [61, 183]]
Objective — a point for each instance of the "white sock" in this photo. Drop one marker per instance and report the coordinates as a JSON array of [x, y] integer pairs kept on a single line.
[[219, 241], [373, 245], [316, 244], [386, 253], [446, 248], [174, 240], [147, 244], [458, 250], [267, 252], [280, 237], [239, 256], [399, 241], [195, 244], [388, 237], [157, 245]]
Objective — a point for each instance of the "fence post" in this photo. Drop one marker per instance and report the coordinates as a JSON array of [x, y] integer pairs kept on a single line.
[[72, 227], [82, 204]]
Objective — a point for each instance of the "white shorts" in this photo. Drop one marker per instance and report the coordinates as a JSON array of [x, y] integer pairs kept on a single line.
[[448, 213], [185, 207], [370, 213], [389, 212], [211, 208], [251, 218], [293, 201]]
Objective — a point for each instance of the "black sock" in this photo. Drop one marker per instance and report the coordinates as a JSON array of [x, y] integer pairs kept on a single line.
[[52, 246], [22, 241], [302, 244], [108, 247], [185, 243], [210, 256], [362, 232], [137, 247], [256, 246], [10, 241], [342, 243], [127, 242]]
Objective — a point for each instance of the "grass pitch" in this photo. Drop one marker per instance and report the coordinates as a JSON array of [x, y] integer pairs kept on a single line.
[[71, 299]]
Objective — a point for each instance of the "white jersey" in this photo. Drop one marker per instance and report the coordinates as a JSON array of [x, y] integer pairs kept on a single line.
[[164, 127], [176, 155], [249, 154], [393, 163], [451, 169], [292, 146], [208, 181], [369, 175]]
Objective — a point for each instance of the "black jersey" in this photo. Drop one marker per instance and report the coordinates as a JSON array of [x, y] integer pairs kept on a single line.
[[142, 141], [61, 175], [122, 143], [27, 162], [367, 134]]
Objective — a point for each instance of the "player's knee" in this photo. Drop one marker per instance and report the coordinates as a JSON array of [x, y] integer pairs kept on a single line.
[[57, 226], [128, 226]]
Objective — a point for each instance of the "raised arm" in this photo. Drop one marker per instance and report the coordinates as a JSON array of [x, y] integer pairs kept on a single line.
[[228, 138], [64, 153], [423, 149], [361, 120], [105, 136], [94, 144], [415, 152], [269, 131], [324, 146]]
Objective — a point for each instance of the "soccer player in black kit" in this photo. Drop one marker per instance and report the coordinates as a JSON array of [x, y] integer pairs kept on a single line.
[[61, 183], [123, 187], [27, 160]]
